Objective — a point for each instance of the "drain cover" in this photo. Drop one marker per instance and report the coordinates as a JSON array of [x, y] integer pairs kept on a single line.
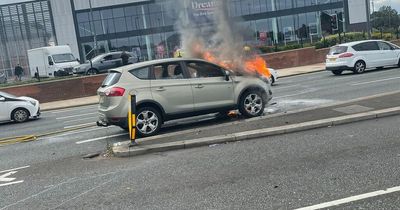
[[353, 109]]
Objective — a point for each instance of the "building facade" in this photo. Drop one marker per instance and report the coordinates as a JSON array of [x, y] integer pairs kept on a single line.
[[148, 27]]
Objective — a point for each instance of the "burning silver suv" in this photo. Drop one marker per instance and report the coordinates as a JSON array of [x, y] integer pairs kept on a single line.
[[177, 88]]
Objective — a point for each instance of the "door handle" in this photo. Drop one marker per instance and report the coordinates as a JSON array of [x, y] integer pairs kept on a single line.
[[161, 89], [200, 86]]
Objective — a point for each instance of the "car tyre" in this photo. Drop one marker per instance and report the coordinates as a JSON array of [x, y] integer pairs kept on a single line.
[[20, 115], [92, 72], [272, 80], [359, 67], [337, 72], [251, 104], [398, 64], [148, 121]]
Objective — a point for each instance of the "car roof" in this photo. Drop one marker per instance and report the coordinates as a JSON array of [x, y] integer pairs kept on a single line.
[[349, 44], [155, 62]]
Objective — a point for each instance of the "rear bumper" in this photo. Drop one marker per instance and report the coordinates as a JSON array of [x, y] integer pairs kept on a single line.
[[337, 68]]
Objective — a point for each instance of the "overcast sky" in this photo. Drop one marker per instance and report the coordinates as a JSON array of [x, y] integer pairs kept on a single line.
[[393, 3]]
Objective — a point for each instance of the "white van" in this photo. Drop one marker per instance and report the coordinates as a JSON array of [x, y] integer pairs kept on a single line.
[[51, 61]]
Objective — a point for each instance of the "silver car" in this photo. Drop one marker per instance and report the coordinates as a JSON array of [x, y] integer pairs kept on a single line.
[[102, 63], [177, 88]]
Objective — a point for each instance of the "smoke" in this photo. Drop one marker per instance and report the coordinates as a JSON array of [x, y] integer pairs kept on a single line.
[[207, 32]]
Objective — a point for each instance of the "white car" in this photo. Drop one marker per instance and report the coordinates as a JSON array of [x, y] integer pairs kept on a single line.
[[18, 109], [362, 55], [274, 76]]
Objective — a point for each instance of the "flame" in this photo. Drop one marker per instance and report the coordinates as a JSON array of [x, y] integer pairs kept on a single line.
[[256, 65]]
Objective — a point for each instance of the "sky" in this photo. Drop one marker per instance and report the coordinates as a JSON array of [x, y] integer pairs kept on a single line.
[[393, 3]]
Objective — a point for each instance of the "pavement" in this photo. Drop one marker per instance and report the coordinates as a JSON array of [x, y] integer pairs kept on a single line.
[[366, 108], [94, 99]]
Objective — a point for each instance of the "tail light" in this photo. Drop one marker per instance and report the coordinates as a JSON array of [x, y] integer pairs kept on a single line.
[[346, 55], [115, 92]]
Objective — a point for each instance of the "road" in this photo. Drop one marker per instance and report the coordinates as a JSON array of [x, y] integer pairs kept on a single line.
[[281, 172]]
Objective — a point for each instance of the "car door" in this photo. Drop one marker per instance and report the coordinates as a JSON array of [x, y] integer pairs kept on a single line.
[[171, 88], [388, 54], [116, 60], [106, 63], [211, 90], [370, 53]]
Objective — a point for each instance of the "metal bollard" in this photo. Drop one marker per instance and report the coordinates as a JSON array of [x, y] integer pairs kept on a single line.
[[132, 119]]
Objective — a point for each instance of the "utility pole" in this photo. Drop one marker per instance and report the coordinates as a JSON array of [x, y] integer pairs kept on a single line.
[[368, 18]]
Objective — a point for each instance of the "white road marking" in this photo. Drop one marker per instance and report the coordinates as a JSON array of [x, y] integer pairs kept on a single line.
[[78, 115], [101, 138], [70, 110], [11, 183], [374, 81], [78, 132], [80, 125], [14, 169], [352, 199], [3, 178], [81, 119]]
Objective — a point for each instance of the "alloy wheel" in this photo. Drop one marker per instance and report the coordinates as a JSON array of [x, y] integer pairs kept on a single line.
[[147, 122], [253, 104]]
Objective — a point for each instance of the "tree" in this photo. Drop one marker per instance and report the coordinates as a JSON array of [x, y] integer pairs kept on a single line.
[[385, 18]]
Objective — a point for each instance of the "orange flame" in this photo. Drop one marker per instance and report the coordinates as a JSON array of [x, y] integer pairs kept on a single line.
[[257, 65], [254, 65]]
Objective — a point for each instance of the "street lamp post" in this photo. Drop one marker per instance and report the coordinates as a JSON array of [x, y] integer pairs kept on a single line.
[[368, 18], [93, 29]]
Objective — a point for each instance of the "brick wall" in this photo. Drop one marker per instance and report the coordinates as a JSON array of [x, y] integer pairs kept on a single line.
[[298, 57], [59, 90]]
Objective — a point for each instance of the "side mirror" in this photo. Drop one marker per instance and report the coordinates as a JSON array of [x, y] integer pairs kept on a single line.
[[2, 99], [51, 63], [227, 75]]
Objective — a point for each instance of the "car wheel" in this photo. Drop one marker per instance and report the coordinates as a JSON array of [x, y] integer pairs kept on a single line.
[[251, 104], [20, 115], [359, 67], [272, 80], [337, 72], [92, 72], [148, 121], [398, 64]]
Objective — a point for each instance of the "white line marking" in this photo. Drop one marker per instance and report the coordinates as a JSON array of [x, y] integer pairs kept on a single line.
[[11, 183], [78, 115], [80, 125], [82, 119], [14, 169], [352, 199], [78, 132], [69, 110], [375, 81], [101, 138]]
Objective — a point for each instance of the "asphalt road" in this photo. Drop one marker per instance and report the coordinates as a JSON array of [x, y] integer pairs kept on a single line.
[[290, 93], [281, 172]]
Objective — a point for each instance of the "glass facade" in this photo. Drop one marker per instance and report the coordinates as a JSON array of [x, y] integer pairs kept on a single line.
[[23, 26], [147, 29]]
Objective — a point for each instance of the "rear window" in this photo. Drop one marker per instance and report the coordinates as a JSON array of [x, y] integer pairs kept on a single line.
[[111, 79], [142, 73], [337, 50]]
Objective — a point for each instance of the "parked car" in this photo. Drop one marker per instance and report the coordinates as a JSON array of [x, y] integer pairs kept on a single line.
[[18, 109], [102, 63], [362, 55], [176, 88]]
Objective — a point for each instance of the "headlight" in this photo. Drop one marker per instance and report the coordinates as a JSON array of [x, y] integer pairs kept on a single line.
[[32, 102]]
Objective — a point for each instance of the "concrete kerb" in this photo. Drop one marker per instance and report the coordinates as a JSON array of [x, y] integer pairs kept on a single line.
[[301, 73], [121, 151]]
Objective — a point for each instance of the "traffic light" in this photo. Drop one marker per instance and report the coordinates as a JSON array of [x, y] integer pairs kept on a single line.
[[334, 22]]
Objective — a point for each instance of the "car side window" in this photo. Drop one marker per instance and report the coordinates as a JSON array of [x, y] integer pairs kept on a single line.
[[116, 56], [203, 70], [168, 71], [108, 57], [384, 46], [142, 73], [366, 46]]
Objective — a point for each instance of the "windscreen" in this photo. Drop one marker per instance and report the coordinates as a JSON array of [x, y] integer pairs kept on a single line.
[[63, 58], [111, 79], [337, 50]]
